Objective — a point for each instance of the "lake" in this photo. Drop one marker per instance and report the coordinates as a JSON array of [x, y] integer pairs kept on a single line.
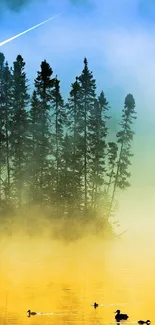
[[66, 279]]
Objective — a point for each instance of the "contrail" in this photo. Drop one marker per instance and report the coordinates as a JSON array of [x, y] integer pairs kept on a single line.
[[28, 30]]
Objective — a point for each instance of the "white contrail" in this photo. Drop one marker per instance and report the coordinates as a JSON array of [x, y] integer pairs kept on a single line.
[[28, 30]]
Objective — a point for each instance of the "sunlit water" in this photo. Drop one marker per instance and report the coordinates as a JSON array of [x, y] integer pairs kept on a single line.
[[68, 283], [72, 302]]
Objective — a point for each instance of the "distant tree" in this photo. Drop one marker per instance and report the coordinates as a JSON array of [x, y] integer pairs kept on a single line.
[[73, 108], [97, 143], [124, 139], [59, 124], [40, 130], [87, 95], [8, 105], [19, 126], [2, 121]]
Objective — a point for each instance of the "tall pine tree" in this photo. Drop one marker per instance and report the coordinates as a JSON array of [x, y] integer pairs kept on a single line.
[[40, 131], [59, 124], [19, 127], [124, 139], [74, 107], [8, 105], [97, 143], [2, 131], [87, 95]]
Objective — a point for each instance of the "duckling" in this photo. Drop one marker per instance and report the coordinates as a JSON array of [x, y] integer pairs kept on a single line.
[[31, 313], [141, 322], [95, 305], [120, 317]]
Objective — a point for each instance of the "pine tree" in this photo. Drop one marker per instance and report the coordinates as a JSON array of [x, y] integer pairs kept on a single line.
[[2, 132], [40, 130], [75, 128], [97, 142], [5, 114], [19, 127], [59, 122], [124, 138], [87, 95], [7, 125]]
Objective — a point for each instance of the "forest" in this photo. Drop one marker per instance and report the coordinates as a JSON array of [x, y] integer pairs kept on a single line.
[[56, 155]]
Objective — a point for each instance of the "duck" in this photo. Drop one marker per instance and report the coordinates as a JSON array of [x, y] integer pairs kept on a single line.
[[141, 322], [120, 317], [95, 305], [31, 313]]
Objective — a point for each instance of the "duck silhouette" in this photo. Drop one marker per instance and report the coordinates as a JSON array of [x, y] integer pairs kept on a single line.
[[141, 322], [31, 313], [95, 305], [120, 317]]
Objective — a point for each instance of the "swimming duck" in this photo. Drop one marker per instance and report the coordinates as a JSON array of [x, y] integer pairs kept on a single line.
[[141, 322], [31, 313], [95, 305], [120, 317]]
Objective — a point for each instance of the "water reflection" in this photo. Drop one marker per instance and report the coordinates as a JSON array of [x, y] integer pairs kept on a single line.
[[68, 287], [70, 302]]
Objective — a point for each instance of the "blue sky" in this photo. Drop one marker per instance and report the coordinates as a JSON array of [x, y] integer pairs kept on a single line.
[[118, 39]]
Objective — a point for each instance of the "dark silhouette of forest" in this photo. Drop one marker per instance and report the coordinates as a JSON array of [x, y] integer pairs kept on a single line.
[[56, 154]]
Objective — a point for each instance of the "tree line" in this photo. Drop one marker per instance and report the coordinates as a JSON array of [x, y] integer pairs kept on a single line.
[[56, 153]]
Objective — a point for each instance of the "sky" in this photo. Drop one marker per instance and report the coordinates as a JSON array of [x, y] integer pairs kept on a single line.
[[118, 39]]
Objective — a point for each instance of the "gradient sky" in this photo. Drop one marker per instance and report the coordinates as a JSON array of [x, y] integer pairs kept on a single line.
[[118, 39]]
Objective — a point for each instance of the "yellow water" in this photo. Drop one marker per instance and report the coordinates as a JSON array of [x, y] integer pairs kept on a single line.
[[47, 276]]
